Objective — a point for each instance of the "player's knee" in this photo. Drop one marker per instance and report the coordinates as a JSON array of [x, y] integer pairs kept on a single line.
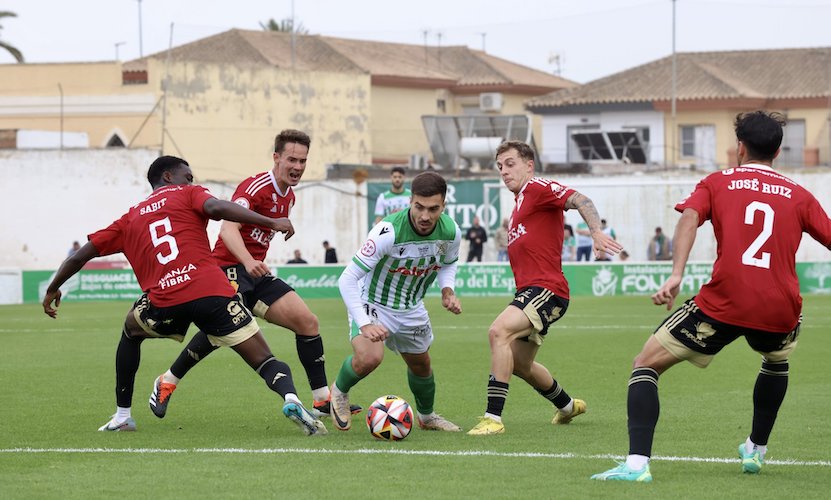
[[308, 325], [498, 335]]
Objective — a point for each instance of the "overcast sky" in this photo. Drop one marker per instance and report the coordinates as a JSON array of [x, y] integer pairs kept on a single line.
[[591, 38]]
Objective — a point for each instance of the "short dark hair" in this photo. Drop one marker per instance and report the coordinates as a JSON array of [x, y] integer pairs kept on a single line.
[[429, 184], [288, 136], [760, 132], [398, 170], [161, 165], [525, 151]]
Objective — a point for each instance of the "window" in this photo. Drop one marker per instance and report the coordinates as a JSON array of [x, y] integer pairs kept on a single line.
[[688, 141], [618, 145], [697, 145]]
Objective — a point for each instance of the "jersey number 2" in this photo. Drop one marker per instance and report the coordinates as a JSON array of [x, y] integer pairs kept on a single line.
[[159, 234], [748, 257]]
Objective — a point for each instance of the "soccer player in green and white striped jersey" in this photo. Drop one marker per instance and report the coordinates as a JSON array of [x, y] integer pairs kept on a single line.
[[396, 198], [383, 289]]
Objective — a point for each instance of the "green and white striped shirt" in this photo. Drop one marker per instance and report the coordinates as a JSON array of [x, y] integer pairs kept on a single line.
[[400, 264], [388, 202]]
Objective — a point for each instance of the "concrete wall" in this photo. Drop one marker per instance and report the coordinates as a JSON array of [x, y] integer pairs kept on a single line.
[[51, 198]]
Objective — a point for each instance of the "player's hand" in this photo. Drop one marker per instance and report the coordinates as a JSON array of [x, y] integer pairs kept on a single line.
[[283, 225], [603, 244], [257, 269], [668, 291], [375, 333], [451, 302], [47, 303]]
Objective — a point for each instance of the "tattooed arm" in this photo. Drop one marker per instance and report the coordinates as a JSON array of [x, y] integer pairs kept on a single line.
[[601, 241]]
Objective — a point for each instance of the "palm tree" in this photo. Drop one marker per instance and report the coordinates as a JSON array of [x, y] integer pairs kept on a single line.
[[3, 45], [284, 26]]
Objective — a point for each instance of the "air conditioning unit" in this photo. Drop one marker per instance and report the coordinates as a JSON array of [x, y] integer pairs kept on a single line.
[[490, 101]]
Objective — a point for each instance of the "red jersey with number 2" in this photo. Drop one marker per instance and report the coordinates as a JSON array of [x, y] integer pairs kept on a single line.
[[535, 236], [758, 217], [260, 194], [165, 241]]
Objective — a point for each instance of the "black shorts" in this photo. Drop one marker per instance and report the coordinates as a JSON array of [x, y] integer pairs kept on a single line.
[[701, 334], [257, 293], [216, 316], [542, 308]]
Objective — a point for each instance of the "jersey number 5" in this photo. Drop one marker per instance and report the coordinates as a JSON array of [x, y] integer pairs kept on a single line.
[[748, 257], [159, 234]]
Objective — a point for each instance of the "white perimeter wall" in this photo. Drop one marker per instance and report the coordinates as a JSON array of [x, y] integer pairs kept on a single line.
[[50, 198]]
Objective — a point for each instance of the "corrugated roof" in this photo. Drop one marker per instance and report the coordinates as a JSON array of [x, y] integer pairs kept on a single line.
[[770, 74], [459, 66]]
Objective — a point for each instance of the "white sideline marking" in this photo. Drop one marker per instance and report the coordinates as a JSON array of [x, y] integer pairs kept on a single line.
[[368, 451]]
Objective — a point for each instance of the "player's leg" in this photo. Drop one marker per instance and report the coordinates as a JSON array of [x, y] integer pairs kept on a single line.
[[768, 393], [366, 356], [510, 325], [289, 311], [195, 351], [422, 383], [128, 357], [231, 324]]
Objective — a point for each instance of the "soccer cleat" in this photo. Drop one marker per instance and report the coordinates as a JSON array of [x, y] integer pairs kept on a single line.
[[435, 422], [562, 419], [160, 396], [751, 462], [487, 426], [128, 425], [324, 408], [624, 473], [307, 423], [340, 408]]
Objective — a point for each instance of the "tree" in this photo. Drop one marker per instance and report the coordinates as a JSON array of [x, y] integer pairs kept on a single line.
[[10, 48], [284, 26]]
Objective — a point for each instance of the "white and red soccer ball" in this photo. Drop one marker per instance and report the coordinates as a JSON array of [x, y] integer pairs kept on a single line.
[[389, 418]]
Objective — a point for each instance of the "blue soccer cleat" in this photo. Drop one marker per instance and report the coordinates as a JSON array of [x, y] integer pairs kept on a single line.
[[751, 462], [624, 473]]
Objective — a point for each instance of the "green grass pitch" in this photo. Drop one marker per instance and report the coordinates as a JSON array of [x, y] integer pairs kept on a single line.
[[225, 437]]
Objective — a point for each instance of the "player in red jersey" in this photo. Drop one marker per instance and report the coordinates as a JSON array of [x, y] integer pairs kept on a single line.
[[241, 250], [535, 242], [164, 239], [758, 217]]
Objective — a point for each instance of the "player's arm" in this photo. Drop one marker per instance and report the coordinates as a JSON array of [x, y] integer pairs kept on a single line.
[[232, 237], [221, 209], [683, 241], [350, 291], [447, 283], [602, 242], [379, 209], [68, 268]]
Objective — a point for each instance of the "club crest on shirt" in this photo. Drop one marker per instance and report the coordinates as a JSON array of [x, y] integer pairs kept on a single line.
[[242, 202], [368, 250]]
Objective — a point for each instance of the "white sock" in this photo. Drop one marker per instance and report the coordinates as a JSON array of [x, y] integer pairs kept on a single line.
[[750, 445], [495, 417], [567, 409], [292, 398], [636, 462], [321, 393], [170, 378], [122, 414]]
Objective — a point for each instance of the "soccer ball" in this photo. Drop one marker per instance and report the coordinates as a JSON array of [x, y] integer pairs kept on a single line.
[[389, 418]]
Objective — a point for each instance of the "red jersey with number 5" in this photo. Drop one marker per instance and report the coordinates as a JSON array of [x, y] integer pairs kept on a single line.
[[758, 217], [164, 239], [260, 194], [535, 236]]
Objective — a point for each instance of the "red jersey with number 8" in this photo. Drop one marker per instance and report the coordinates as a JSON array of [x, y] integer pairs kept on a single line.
[[758, 218], [164, 239]]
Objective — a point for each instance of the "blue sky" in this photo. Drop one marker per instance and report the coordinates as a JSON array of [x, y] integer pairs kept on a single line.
[[590, 38]]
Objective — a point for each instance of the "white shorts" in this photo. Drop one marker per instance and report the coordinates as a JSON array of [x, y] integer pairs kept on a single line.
[[410, 330]]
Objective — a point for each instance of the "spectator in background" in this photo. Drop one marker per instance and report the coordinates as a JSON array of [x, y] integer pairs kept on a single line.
[[584, 242], [331, 256], [501, 237], [298, 259], [660, 246], [608, 231], [477, 236], [75, 247], [569, 244]]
